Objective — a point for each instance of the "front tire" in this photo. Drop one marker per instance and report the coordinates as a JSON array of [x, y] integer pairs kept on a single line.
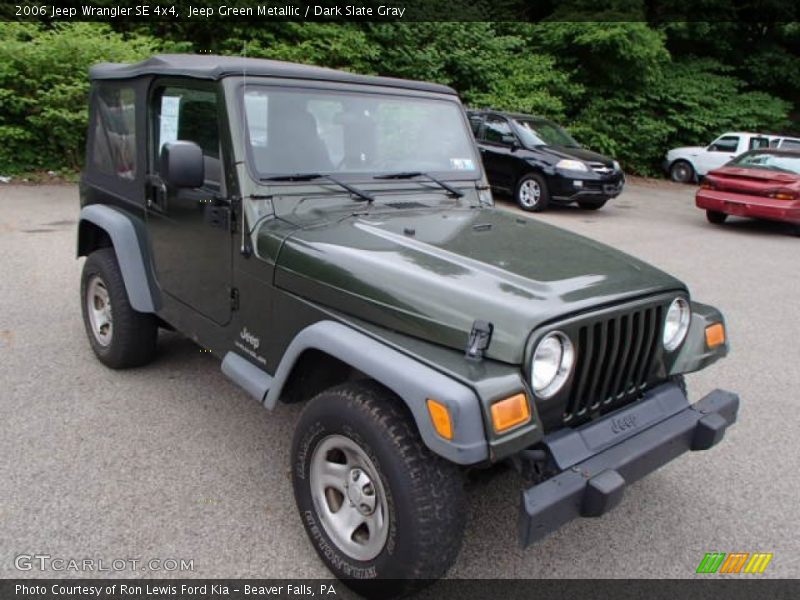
[[532, 194], [681, 171], [377, 504], [120, 336], [716, 217]]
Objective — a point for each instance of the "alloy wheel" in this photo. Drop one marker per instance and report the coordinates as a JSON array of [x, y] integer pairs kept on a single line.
[[349, 497]]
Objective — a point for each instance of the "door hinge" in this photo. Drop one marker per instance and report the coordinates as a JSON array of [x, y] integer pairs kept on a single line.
[[234, 299]]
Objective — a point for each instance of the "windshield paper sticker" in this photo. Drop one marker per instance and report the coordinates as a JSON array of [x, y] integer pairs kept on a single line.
[[462, 164]]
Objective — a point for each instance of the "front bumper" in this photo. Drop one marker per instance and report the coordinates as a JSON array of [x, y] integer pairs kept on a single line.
[[597, 461], [572, 186]]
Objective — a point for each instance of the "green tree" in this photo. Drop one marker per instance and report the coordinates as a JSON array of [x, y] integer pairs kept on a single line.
[[689, 102], [44, 89]]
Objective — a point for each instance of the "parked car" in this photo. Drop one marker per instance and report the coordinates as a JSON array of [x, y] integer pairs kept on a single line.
[[689, 163], [761, 184], [539, 163], [330, 238], [785, 143]]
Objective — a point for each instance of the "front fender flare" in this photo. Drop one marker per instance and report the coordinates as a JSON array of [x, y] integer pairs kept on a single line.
[[413, 381], [131, 253], [694, 354]]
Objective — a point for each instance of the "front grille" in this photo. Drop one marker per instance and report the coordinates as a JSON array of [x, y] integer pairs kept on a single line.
[[615, 359], [600, 168]]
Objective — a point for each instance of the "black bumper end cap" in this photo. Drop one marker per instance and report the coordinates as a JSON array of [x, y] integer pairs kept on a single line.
[[709, 431], [603, 492]]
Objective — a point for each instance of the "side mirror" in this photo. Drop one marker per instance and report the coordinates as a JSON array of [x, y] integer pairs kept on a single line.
[[713, 148], [511, 140], [181, 165]]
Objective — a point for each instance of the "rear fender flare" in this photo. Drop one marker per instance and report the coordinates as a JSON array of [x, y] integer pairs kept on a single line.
[[130, 249]]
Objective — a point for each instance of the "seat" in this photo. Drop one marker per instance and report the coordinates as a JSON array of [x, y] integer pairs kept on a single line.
[[295, 145]]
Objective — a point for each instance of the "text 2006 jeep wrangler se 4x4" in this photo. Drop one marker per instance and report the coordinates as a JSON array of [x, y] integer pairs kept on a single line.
[[331, 237]]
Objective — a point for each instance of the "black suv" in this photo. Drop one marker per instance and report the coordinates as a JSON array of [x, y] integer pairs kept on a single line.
[[539, 162]]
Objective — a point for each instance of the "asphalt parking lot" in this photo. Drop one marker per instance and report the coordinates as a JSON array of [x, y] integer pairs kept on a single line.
[[172, 461]]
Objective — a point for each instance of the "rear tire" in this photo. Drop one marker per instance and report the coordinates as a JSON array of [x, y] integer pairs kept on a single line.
[[716, 217], [401, 526], [592, 204], [532, 194], [681, 171], [120, 336]]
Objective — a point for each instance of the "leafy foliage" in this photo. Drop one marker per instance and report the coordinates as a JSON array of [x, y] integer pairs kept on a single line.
[[628, 88], [44, 88], [688, 103]]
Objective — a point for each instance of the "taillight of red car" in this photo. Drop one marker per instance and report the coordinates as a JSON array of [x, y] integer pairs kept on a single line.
[[784, 194], [708, 184]]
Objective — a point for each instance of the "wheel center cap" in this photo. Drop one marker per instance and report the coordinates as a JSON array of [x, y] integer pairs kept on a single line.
[[360, 491]]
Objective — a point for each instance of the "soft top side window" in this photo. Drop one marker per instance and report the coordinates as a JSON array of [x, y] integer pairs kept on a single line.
[[187, 114], [113, 131]]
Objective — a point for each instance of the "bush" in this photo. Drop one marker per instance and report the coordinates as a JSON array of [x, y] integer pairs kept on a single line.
[[44, 86], [614, 82], [689, 103]]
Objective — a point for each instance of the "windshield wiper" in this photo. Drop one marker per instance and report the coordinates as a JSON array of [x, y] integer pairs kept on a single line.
[[412, 174], [312, 176]]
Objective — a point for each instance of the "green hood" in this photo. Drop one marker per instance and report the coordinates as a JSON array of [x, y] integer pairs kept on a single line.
[[432, 272]]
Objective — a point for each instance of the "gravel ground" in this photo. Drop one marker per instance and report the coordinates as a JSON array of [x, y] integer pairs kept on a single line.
[[172, 461]]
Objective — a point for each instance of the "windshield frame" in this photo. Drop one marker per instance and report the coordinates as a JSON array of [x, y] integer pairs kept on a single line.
[[239, 121], [522, 131]]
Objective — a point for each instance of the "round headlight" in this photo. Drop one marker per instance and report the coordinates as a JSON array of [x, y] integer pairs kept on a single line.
[[552, 363], [676, 325]]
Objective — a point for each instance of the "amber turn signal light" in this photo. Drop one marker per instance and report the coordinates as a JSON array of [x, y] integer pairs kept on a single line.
[[715, 335], [510, 412], [440, 417]]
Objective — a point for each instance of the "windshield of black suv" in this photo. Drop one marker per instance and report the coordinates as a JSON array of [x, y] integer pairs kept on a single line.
[[344, 133], [541, 132]]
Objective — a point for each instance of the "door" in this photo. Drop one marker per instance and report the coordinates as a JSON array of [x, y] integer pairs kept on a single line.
[[190, 229], [718, 153], [496, 152]]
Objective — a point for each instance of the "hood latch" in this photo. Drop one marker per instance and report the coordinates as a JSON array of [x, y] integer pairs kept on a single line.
[[479, 338]]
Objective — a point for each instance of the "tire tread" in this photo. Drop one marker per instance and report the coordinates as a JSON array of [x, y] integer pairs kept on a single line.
[[135, 334], [436, 484]]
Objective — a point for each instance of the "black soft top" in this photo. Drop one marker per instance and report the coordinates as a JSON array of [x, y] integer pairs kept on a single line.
[[208, 66]]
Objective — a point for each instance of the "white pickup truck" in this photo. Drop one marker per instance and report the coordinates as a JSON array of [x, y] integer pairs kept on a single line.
[[691, 162]]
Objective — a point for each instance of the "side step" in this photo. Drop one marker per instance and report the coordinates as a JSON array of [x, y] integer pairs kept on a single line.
[[247, 376]]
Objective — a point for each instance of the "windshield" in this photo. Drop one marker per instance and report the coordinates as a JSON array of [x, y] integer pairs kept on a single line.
[[785, 163], [541, 132], [295, 132]]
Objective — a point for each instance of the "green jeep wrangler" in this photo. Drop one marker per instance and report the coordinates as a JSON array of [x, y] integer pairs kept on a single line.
[[332, 239]]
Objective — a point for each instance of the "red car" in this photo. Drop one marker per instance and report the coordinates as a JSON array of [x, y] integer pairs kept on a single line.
[[761, 184]]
